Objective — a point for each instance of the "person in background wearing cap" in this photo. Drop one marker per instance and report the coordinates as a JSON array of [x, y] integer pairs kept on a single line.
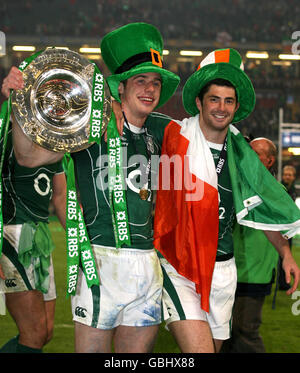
[[227, 181], [126, 308], [256, 262]]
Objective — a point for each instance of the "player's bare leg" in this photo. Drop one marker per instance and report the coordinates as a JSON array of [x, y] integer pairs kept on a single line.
[[89, 339], [218, 344], [192, 336], [130, 339], [50, 311], [28, 310]]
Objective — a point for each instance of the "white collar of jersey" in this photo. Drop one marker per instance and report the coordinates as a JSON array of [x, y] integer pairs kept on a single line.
[[134, 128], [215, 146]]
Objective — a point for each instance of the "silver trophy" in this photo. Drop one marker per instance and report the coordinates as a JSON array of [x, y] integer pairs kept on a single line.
[[54, 107]]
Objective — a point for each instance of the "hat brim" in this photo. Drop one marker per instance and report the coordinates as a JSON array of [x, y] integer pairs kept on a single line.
[[241, 82], [170, 81]]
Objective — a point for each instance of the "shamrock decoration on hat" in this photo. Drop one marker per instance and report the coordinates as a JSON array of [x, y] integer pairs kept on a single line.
[[225, 64], [134, 49]]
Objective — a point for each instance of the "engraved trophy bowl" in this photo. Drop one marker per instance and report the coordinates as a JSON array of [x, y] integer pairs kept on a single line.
[[54, 107]]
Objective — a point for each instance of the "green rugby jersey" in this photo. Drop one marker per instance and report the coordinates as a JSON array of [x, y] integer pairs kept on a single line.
[[226, 207], [92, 179], [26, 191]]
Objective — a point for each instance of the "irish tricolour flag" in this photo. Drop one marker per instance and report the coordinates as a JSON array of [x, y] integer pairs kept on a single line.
[[187, 213]]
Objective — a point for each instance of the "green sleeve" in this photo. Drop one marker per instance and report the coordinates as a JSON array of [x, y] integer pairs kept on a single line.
[[156, 124]]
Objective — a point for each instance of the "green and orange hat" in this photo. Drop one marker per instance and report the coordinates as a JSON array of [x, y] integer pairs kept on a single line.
[[134, 49], [225, 64]]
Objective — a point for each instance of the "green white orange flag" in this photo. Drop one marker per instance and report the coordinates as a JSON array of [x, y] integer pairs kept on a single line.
[[187, 213], [260, 201]]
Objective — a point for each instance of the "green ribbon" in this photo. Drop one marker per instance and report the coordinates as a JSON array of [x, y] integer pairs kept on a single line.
[[117, 194], [86, 253], [73, 253], [29, 59], [79, 248], [35, 247], [78, 244], [4, 124], [97, 106]]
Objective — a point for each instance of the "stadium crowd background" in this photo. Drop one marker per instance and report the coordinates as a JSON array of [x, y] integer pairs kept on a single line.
[[185, 24]]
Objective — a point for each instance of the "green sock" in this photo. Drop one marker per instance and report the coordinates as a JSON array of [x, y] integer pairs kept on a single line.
[[10, 346], [22, 349], [13, 346]]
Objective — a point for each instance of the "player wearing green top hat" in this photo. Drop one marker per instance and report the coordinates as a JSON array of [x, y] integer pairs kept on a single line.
[[126, 307], [195, 236], [129, 311]]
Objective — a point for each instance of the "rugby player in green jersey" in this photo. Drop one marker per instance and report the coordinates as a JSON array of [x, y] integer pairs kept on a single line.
[[199, 268], [26, 269], [126, 308]]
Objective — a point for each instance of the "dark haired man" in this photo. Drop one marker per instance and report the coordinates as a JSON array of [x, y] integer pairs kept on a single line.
[[193, 231]]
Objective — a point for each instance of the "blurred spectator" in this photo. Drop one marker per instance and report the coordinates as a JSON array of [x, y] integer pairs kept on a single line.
[[237, 21], [242, 21], [288, 180]]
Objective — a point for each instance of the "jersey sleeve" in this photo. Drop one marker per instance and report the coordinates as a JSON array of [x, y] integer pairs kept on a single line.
[[156, 124]]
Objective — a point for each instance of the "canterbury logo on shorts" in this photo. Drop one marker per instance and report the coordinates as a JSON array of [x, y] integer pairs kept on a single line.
[[80, 311], [10, 283]]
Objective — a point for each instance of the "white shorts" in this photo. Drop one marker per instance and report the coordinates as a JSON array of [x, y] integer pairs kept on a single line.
[[2, 304], [130, 290], [182, 302], [17, 277]]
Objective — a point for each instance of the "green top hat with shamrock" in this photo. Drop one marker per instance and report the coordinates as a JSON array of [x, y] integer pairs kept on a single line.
[[225, 64], [134, 49]]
